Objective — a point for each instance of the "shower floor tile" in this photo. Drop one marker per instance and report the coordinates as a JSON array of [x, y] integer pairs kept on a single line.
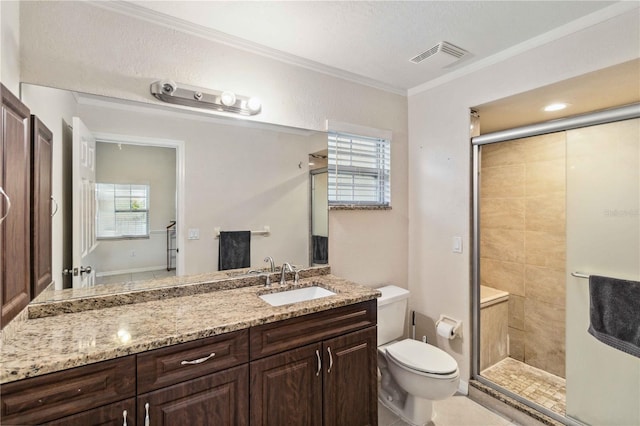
[[536, 385]]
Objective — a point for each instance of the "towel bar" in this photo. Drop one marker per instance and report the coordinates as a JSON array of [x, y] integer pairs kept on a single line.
[[265, 231], [579, 275]]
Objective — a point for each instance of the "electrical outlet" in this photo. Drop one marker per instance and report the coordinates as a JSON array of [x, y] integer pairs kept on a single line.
[[194, 233]]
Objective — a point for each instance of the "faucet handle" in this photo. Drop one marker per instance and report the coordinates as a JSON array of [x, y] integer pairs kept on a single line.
[[296, 277], [267, 280]]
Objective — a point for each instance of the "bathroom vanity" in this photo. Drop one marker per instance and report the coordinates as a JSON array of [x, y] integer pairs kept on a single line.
[[223, 357]]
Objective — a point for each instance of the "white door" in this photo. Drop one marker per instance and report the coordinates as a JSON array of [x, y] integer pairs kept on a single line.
[[84, 203]]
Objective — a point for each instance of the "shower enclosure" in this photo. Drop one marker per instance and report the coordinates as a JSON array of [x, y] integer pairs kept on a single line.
[[555, 203]]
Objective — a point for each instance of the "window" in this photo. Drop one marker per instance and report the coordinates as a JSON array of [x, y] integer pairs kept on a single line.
[[358, 170], [123, 210]]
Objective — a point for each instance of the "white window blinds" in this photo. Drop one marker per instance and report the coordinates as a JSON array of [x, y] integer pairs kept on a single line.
[[123, 210], [358, 170]]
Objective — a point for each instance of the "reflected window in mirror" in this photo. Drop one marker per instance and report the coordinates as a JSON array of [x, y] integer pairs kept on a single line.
[[122, 211]]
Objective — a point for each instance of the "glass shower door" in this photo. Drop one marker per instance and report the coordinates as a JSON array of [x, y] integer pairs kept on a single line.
[[603, 238]]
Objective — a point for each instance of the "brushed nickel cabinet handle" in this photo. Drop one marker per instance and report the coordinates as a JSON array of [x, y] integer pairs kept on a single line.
[[6, 197], [330, 359], [124, 415], [199, 360], [55, 204], [319, 363], [146, 417]]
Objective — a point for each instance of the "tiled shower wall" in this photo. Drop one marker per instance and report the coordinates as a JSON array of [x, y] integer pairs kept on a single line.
[[522, 243]]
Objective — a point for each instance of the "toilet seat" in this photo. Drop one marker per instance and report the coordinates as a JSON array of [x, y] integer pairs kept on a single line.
[[422, 358]]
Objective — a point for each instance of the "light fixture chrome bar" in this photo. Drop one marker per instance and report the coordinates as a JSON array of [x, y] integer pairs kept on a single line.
[[579, 275], [584, 120], [182, 94]]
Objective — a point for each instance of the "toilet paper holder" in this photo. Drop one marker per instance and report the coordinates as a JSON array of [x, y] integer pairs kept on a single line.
[[456, 325]]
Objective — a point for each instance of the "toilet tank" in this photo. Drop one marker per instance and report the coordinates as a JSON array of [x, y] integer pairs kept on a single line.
[[392, 309]]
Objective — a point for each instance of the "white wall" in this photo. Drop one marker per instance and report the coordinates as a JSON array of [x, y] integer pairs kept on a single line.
[[10, 45], [440, 152], [75, 45]]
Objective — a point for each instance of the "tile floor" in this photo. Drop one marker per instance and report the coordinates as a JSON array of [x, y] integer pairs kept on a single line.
[[529, 382], [455, 411], [138, 276]]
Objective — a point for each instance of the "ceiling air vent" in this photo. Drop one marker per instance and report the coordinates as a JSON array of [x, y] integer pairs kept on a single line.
[[442, 54]]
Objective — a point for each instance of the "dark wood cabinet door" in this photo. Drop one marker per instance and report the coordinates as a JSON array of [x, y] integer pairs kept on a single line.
[[350, 387], [219, 399], [286, 389], [41, 161], [122, 413], [15, 235]]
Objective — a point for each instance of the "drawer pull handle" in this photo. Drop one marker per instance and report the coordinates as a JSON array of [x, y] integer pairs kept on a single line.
[[146, 417], [330, 359], [124, 414], [199, 360], [319, 363]]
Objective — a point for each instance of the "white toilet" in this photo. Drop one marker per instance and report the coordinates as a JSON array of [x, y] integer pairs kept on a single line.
[[414, 374]]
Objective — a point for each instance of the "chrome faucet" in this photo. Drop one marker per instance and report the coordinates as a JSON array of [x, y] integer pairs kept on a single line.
[[271, 264], [283, 277]]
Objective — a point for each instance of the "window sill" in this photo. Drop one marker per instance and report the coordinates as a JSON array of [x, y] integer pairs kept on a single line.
[[356, 207]]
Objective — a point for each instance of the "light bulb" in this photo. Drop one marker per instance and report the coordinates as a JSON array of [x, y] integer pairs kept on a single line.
[[254, 104], [228, 98]]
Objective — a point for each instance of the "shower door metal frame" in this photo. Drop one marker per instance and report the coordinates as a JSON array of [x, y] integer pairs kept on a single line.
[[625, 112]]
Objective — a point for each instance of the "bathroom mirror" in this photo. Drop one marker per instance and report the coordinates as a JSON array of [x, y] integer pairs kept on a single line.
[[206, 172]]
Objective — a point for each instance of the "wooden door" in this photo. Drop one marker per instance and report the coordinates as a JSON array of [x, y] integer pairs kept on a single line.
[[41, 187], [286, 389], [84, 203], [350, 379], [219, 399], [15, 207]]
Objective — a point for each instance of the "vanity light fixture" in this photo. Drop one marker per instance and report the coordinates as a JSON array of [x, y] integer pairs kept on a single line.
[[226, 101], [555, 107]]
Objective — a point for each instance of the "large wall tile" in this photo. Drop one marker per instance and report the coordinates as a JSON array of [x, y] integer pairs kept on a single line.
[[516, 311], [504, 213], [545, 285], [545, 177], [516, 344], [503, 181], [502, 244], [545, 336], [544, 249], [503, 153], [546, 213], [545, 147], [506, 276]]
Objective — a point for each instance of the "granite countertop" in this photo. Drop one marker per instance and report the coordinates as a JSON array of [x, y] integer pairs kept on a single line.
[[53, 343]]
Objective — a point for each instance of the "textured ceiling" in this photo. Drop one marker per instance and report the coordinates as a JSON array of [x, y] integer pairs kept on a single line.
[[374, 40]]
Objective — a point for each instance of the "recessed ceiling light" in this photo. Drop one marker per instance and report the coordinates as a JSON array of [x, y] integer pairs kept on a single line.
[[555, 107]]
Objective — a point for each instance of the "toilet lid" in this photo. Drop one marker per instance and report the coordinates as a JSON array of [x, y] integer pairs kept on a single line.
[[422, 357]]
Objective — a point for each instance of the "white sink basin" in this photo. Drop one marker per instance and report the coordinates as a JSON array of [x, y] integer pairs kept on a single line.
[[294, 296]]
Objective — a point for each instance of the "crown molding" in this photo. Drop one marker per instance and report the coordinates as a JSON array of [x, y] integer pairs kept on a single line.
[[139, 12]]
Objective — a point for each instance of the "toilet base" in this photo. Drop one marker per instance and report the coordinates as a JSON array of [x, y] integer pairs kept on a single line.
[[415, 411]]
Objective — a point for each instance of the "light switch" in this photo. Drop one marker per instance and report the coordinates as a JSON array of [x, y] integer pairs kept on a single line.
[[194, 233], [457, 244]]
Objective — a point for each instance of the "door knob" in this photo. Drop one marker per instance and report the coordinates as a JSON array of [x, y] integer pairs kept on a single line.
[[85, 270]]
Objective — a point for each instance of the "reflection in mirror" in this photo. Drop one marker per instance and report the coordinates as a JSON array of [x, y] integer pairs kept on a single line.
[[202, 171]]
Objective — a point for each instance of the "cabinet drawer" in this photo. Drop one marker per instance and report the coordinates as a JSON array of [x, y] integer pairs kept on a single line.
[[174, 364], [269, 339], [53, 396], [108, 415]]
